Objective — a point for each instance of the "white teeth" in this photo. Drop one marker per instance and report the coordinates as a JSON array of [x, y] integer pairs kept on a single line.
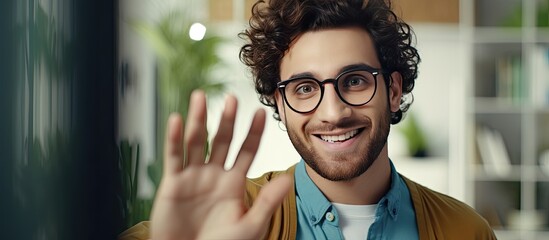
[[339, 138]]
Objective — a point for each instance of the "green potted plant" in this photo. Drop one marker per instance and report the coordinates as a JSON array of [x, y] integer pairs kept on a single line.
[[183, 65]]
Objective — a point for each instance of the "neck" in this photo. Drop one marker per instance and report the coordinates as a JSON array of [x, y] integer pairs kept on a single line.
[[371, 186]]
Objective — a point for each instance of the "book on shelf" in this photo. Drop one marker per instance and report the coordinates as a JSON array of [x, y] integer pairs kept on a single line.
[[493, 152], [509, 82], [540, 76]]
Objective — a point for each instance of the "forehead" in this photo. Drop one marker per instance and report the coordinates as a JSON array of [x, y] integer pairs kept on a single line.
[[325, 52]]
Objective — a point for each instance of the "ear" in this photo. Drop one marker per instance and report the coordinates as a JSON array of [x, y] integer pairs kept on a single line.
[[395, 91], [280, 106]]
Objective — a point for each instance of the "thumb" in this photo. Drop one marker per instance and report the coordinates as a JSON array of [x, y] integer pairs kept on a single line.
[[268, 200]]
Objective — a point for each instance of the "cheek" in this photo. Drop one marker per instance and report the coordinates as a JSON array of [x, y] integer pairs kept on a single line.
[[298, 123], [381, 101]]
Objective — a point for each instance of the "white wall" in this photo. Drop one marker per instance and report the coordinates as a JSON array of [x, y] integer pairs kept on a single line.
[[440, 70]]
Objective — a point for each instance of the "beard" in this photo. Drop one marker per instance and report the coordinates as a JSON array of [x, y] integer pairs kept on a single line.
[[345, 166]]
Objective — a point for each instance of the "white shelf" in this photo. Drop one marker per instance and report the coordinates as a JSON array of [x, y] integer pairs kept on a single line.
[[497, 35], [516, 120], [497, 105], [513, 176], [516, 35]]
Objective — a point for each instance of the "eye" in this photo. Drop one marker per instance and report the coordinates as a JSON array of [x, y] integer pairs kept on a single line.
[[305, 88], [355, 81]]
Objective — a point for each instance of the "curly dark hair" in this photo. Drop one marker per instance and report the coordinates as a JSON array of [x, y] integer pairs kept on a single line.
[[274, 25]]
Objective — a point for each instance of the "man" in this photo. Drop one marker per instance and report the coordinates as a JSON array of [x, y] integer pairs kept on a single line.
[[337, 74]]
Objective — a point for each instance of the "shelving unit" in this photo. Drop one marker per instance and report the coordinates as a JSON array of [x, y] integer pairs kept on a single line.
[[507, 114]]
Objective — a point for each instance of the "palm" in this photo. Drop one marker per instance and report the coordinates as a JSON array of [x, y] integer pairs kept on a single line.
[[198, 200]]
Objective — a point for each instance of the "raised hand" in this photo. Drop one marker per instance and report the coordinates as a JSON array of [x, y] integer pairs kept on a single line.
[[202, 200]]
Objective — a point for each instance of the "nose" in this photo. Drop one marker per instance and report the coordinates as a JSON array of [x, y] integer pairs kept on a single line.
[[332, 109]]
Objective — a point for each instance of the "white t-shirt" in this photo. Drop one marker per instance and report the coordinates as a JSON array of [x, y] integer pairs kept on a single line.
[[355, 220]]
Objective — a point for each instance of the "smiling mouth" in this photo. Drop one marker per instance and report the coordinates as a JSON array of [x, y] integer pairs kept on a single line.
[[340, 138]]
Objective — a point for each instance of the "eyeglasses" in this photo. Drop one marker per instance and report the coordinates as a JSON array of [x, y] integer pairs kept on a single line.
[[355, 87]]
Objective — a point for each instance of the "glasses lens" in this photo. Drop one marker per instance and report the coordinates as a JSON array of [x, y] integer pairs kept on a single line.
[[357, 87], [303, 94]]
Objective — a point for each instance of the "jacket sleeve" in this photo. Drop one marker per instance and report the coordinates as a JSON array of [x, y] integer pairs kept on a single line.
[[139, 231], [283, 223]]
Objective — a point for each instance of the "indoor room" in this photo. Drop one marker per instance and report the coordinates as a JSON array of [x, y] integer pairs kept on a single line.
[[89, 88]]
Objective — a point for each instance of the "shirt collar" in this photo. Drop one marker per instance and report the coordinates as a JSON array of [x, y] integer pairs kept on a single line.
[[314, 201], [317, 205], [393, 196]]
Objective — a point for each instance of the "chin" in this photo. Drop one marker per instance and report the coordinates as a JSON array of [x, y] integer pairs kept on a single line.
[[349, 165], [343, 167], [339, 168]]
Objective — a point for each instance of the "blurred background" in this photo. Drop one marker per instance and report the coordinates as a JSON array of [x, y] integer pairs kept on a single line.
[[86, 88]]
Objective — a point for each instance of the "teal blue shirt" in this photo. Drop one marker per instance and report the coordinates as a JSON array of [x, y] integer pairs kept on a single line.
[[394, 219]]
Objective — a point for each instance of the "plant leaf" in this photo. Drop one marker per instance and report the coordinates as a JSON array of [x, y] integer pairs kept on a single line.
[[154, 37]]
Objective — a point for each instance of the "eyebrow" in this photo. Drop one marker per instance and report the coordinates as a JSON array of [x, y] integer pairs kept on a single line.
[[342, 69]]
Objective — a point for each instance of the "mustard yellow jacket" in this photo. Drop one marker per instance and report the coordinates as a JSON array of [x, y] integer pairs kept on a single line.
[[438, 216]]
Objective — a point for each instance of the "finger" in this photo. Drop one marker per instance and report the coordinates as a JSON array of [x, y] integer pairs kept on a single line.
[[268, 200], [195, 131], [251, 143], [224, 136], [173, 145]]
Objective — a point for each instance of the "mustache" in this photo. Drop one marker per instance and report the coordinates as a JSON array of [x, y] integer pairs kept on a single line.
[[342, 124]]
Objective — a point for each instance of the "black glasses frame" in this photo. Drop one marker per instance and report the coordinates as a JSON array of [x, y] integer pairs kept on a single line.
[[374, 71]]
